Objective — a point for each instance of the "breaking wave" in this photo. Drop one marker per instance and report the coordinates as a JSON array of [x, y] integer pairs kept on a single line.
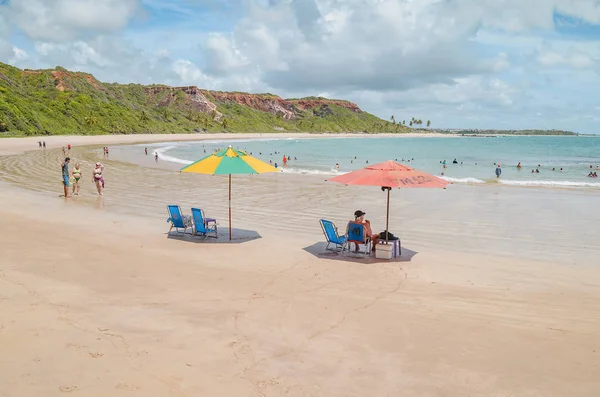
[[550, 183]]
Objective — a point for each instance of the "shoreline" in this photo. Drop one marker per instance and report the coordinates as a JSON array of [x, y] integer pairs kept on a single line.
[[10, 146]]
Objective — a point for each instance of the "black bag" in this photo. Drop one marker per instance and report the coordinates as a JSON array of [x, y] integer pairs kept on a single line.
[[390, 236]]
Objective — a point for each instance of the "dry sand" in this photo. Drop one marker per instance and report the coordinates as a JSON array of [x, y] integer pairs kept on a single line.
[[496, 294]]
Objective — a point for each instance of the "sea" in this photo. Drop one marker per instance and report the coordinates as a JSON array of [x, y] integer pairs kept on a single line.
[[562, 161]]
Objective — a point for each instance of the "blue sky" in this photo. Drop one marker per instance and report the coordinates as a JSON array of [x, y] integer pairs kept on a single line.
[[460, 63]]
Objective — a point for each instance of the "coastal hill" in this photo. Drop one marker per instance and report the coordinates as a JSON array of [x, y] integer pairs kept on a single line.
[[58, 101]]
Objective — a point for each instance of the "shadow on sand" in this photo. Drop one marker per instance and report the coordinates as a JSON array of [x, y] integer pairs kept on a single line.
[[238, 236], [319, 250]]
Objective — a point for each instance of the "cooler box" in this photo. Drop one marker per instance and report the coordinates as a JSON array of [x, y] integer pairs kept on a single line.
[[394, 248], [384, 251]]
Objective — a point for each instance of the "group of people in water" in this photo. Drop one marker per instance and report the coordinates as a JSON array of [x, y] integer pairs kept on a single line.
[[284, 161], [536, 170], [156, 154], [73, 177]]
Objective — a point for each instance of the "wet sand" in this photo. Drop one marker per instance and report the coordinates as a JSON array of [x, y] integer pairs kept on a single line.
[[496, 294]]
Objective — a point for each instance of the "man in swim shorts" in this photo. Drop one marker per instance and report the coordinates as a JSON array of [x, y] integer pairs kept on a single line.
[[65, 175]]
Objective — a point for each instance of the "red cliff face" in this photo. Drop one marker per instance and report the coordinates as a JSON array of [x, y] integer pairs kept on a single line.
[[61, 79], [266, 103], [308, 103], [194, 98], [286, 108], [198, 99]]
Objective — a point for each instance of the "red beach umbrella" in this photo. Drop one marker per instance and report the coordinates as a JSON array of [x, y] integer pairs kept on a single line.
[[388, 175]]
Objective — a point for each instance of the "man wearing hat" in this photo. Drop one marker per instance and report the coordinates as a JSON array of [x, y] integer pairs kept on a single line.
[[359, 217]]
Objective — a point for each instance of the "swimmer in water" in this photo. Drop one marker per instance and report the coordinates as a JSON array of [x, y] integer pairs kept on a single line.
[[519, 166]]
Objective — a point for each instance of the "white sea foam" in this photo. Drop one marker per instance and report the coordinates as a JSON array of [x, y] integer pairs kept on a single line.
[[462, 180], [550, 183], [162, 156], [304, 171]]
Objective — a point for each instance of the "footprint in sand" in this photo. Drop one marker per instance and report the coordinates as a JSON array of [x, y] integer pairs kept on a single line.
[[125, 386], [96, 355], [67, 389]]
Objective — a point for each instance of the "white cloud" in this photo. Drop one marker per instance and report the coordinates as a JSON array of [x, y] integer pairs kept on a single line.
[[576, 59], [572, 57], [6, 47], [190, 74], [19, 55], [223, 56], [60, 20]]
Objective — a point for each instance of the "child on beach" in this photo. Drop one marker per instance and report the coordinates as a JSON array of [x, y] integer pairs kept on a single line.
[[76, 173]]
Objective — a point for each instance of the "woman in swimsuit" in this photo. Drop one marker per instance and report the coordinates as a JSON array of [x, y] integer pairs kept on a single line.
[[76, 177], [98, 178]]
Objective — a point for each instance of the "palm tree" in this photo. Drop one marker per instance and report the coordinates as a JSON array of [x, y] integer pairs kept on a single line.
[[91, 120], [144, 117], [411, 123], [393, 119], [403, 122], [165, 113], [213, 114], [224, 123], [428, 123]]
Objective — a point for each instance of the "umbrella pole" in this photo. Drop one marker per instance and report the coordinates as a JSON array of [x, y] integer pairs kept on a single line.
[[229, 207], [387, 218]]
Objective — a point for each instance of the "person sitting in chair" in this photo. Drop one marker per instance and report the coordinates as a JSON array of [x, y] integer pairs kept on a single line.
[[359, 217]]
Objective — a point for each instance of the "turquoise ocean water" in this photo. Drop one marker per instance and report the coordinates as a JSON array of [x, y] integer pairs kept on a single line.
[[318, 156]]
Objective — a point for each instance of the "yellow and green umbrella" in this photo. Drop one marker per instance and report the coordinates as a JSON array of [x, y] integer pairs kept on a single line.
[[229, 161]]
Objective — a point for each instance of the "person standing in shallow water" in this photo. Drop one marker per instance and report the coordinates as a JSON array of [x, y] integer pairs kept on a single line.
[[65, 175], [98, 178], [498, 171], [76, 177]]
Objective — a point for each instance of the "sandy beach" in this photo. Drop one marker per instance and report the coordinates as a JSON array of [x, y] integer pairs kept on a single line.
[[496, 293], [19, 145]]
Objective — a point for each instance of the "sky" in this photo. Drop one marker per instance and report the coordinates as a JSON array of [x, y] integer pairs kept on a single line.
[[501, 64]]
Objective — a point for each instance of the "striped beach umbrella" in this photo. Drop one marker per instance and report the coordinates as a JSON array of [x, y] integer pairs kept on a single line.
[[229, 161]]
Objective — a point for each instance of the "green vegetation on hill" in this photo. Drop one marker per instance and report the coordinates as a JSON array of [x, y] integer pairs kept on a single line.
[[59, 102]]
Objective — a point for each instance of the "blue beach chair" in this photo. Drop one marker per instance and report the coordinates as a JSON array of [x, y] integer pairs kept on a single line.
[[331, 235], [203, 226], [178, 220], [355, 233]]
